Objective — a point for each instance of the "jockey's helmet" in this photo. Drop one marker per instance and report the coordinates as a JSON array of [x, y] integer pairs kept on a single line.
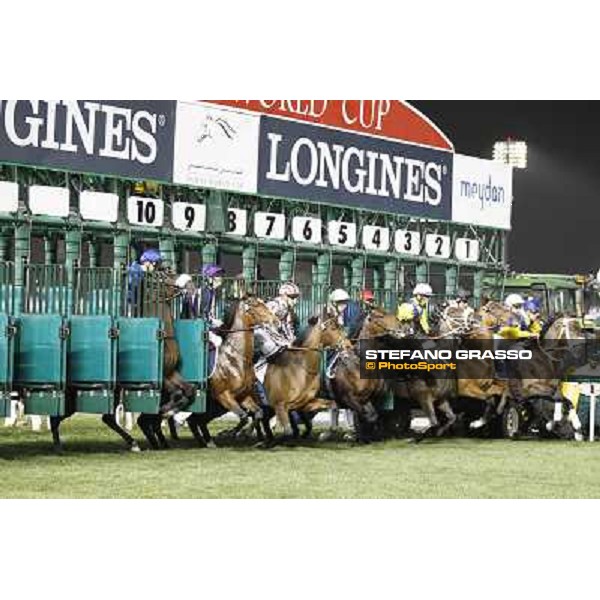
[[338, 296], [290, 289], [151, 256], [183, 280], [514, 301], [367, 296], [213, 270], [423, 289]]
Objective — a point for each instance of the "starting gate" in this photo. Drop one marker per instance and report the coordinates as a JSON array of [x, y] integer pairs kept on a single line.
[[6, 336], [71, 228], [41, 340]]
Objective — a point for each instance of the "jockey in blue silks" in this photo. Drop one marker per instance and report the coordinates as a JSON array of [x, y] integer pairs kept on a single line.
[[148, 262]]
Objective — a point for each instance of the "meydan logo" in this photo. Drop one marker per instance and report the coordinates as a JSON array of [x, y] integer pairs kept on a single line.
[[487, 194]]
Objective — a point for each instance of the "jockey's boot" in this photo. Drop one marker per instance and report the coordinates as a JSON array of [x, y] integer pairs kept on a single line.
[[261, 394]]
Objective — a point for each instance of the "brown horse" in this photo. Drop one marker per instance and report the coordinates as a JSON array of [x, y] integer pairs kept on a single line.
[[231, 385], [429, 394], [350, 390], [541, 376], [156, 300], [476, 378], [293, 379]]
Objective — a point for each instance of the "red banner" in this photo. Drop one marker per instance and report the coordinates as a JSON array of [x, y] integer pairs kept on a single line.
[[392, 119]]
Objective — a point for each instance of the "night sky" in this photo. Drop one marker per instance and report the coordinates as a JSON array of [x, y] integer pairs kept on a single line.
[[556, 211]]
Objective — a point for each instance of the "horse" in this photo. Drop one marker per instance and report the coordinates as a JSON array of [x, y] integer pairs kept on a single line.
[[350, 390], [293, 378], [476, 380], [231, 385], [542, 404], [158, 292]]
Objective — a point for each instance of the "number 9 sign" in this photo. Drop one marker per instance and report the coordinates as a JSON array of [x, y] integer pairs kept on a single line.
[[189, 217]]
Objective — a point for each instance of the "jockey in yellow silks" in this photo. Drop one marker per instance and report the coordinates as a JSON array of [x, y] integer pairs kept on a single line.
[[415, 310]]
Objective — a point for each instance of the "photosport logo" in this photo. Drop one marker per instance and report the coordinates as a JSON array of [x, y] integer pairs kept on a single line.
[[467, 359]]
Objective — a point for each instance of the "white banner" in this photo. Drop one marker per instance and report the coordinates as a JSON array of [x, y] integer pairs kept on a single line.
[[481, 192], [216, 147]]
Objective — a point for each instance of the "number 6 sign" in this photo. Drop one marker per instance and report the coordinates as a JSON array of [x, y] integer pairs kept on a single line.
[[306, 229]]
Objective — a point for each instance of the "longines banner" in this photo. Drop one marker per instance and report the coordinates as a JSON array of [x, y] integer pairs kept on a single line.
[[126, 138], [309, 162]]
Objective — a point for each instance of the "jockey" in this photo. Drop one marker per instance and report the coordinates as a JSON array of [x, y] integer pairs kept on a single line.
[[532, 310], [149, 261], [416, 309], [517, 328], [338, 306], [190, 304], [213, 276], [356, 313], [283, 308]]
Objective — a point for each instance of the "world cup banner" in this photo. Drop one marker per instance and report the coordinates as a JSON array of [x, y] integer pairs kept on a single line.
[[120, 138]]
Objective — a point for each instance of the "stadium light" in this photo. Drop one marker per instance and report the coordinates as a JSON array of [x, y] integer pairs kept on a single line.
[[511, 152]]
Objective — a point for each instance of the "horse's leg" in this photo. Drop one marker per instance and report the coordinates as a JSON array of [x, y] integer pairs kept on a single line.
[[447, 411], [54, 427], [173, 428], [294, 417], [426, 404], [284, 420], [308, 424], [227, 400], [193, 424], [146, 424], [156, 421], [111, 421]]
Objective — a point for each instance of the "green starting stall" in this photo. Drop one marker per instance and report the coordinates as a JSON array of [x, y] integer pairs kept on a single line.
[[7, 331], [40, 355]]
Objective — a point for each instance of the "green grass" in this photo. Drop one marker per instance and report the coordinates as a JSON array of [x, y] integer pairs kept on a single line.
[[95, 466]]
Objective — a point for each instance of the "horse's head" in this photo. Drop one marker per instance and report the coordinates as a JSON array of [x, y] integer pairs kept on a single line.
[[328, 332], [379, 324], [493, 315], [256, 312]]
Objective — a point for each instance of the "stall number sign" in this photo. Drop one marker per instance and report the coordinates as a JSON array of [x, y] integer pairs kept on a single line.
[[342, 234], [189, 217], [145, 211], [376, 238], [307, 230], [407, 242], [48, 200], [99, 206], [466, 250], [9, 196], [270, 226], [237, 221], [437, 246]]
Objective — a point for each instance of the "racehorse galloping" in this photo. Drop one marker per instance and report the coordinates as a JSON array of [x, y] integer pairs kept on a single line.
[[293, 379], [349, 389], [231, 385], [157, 294]]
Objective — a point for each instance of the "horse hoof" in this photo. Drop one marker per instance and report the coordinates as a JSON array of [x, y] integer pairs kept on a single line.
[[477, 424], [211, 445], [578, 437], [134, 447], [58, 450]]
